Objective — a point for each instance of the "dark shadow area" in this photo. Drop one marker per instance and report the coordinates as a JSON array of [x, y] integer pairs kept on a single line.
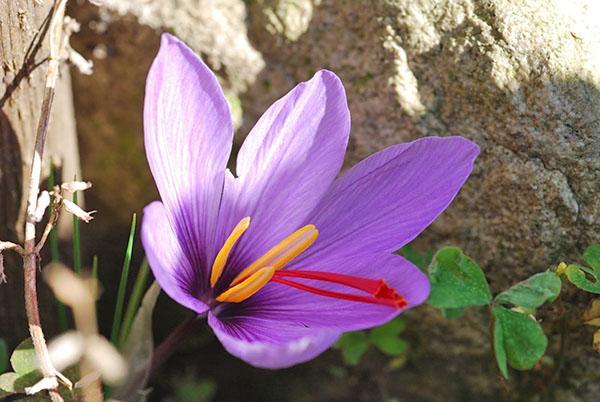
[[10, 179], [11, 300]]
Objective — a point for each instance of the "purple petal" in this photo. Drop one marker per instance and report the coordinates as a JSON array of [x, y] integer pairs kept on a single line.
[[268, 344], [386, 200], [170, 266], [188, 137], [284, 305], [286, 164]]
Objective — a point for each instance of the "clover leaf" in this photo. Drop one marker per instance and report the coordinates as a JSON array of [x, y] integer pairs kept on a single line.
[[532, 292], [518, 340], [577, 273], [456, 281]]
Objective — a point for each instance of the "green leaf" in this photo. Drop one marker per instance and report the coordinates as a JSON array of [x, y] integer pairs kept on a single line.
[[7, 384], [353, 346], [23, 358], [591, 255], [532, 292], [519, 337], [452, 313], [577, 274], [391, 345], [387, 337], [499, 350], [392, 328], [11, 382], [25, 372], [456, 281], [420, 260], [138, 348], [117, 318], [3, 356]]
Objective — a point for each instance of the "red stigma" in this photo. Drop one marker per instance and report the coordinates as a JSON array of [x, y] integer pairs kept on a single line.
[[378, 289]]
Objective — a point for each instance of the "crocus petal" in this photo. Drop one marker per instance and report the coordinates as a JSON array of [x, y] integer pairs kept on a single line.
[[168, 262], [267, 344], [386, 200], [188, 137], [284, 305], [286, 164]]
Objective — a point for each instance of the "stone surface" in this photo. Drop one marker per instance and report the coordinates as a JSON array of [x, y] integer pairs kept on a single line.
[[522, 79], [215, 27]]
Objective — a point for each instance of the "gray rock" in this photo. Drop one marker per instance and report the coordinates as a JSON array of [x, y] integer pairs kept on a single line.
[[215, 28], [522, 79]]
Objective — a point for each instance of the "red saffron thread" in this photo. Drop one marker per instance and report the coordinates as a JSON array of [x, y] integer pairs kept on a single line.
[[380, 291]]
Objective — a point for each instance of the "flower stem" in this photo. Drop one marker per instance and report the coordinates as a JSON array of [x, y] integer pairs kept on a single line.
[[168, 346]]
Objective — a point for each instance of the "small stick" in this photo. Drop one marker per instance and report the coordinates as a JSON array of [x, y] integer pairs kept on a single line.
[[54, 215], [7, 245], [30, 256]]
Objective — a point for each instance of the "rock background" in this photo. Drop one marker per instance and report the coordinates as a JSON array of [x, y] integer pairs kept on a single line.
[[522, 79]]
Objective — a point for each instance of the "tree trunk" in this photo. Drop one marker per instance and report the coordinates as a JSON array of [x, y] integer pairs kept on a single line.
[[23, 50]]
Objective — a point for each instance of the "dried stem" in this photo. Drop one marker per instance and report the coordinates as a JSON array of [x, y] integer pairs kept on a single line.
[[7, 245], [54, 215], [30, 256]]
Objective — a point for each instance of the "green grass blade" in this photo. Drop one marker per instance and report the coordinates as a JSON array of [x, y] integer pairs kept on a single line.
[[117, 318], [139, 288], [61, 311], [95, 268], [76, 241], [95, 276], [3, 356]]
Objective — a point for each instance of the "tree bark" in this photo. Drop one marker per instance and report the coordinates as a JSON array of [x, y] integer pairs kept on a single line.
[[23, 51]]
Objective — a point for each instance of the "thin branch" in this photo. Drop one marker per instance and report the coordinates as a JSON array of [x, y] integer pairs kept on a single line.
[[7, 245], [31, 256], [54, 215]]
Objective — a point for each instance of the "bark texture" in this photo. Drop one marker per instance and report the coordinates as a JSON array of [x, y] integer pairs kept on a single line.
[[23, 50], [522, 79]]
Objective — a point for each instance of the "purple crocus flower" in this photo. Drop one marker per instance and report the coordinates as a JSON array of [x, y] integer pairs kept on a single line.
[[285, 256]]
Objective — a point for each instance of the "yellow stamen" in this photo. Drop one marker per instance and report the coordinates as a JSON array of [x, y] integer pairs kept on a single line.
[[221, 259], [281, 254], [248, 287]]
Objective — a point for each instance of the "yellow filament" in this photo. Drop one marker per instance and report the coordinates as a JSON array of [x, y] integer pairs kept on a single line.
[[282, 253], [248, 287], [221, 259]]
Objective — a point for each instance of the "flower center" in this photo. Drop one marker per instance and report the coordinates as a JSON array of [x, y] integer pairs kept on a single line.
[[269, 267]]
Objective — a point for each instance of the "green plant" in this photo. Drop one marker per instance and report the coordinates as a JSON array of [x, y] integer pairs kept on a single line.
[[386, 338], [457, 283], [579, 275]]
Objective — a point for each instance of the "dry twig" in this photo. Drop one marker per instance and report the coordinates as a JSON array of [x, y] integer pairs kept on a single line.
[[30, 254], [59, 30]]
